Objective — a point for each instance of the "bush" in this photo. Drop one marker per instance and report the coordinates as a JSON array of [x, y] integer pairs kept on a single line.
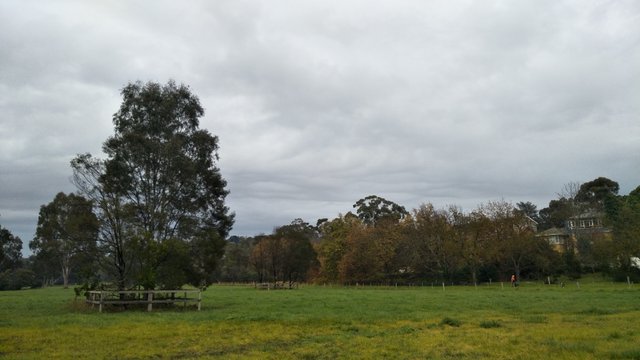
[[16, 279], [451, 322]]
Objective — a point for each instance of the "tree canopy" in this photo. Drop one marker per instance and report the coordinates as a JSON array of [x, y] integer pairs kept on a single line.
[[373, 209]]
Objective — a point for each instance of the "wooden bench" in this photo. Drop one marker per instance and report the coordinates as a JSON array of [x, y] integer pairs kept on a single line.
[[143, 297]]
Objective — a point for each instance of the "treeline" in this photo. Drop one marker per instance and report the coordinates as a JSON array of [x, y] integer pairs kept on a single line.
[[383, 243], [379, 242]]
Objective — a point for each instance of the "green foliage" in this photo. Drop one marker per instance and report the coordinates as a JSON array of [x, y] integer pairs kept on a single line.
[[66, 236], [235, 265], [165, 164], [530, 209], [597, 191], [88, 285], [572, 267], [10, 250], [16, 279], [374, 209], [624, 218], [174, 265], [557, 213]]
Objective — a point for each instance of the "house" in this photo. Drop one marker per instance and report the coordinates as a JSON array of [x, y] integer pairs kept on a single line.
[[585, 226], [558, 238], [531, 224], [586, 220]]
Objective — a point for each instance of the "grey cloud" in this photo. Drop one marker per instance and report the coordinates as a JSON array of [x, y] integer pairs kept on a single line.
[[319, 104]]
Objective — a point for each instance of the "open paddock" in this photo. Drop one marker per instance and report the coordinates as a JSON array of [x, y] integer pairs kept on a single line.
[[596, 320]]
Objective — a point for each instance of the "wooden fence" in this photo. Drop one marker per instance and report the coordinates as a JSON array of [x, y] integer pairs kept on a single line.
[[144, 297]]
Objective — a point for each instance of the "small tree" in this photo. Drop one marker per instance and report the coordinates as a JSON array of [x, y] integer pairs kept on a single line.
[[66, 233]]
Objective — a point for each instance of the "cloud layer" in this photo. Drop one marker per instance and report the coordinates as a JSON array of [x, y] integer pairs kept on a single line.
[[318, 104]]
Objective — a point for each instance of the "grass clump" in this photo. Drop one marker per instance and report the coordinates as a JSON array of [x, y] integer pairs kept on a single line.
[[450, 322], [629, 354], [597, 311], [490, 324]]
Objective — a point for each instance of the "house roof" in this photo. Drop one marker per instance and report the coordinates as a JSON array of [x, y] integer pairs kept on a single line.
[[590, 214], [554, 231]]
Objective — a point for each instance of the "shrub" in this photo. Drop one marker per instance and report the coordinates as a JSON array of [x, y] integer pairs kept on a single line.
[[17, 279], [451, 322], [488, 324]]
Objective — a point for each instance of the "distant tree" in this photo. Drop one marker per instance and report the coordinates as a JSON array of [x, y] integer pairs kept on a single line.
[[259, 257], [287, 254], [66, 233], [298, 254], [557, 213], [160, 182], [361, 262], [10, 250], [373, 209], [333, 245], [45, 269], [529, 209], [12, 275], [596, 192], [437, 248], [515, 243], [569, 190], [474, 231], [16, 279], [235, 265], [625, 221]]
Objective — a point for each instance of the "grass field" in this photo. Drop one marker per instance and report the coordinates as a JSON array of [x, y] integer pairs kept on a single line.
[[597, 320]]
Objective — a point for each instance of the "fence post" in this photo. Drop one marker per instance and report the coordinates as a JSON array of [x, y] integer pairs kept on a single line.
[[100, 307], [150, 300], [199, 299]]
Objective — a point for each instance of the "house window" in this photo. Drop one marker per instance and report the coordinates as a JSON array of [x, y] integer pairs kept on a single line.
[[571, 224], [555, 240], [586, 223]]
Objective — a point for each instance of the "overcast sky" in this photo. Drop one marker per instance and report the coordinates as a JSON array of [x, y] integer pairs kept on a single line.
[[320, 103]]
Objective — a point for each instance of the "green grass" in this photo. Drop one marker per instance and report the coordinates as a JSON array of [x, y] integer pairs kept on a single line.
[[596, 321]]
